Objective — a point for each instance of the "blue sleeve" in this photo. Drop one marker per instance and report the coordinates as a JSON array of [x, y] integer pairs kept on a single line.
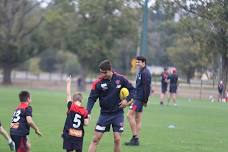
[[146, 81], [130, 88], [28, 111], [94, 94]]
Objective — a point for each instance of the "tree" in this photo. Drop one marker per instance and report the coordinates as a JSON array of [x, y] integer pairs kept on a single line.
[[48, 61], [214, 16], [185, 55], [18, 42], [100, 23], [34, 66], [162, 32]]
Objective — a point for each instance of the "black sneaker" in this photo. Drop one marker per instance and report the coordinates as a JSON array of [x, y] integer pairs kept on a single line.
[[12, 146], [133, 142], [161, 103]]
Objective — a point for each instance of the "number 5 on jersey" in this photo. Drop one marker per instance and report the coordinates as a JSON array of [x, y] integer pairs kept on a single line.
[[77, 121]]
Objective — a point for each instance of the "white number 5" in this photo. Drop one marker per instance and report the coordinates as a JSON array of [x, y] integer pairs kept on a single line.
[[77, 120]]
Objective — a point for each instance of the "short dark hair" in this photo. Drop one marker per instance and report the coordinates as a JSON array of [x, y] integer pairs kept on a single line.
[[141, 58], [24, 95], [77, 97], [105, 65]]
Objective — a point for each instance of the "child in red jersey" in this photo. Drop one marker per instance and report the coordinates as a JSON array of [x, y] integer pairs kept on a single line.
[[21, 123], [77, 117]]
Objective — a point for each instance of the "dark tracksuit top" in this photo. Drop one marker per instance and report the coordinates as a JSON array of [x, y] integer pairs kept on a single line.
[[143, 85], [108, 92]]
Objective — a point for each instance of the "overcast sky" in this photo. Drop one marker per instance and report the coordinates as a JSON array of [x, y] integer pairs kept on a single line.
[[44, 3]]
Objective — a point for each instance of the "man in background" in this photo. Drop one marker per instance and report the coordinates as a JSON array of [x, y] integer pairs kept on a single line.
[[220, 91], [173, 84], [142, 93], [164, 85]]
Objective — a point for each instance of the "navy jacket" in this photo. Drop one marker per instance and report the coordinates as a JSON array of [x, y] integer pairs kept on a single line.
[[108, 92], [143, 85]]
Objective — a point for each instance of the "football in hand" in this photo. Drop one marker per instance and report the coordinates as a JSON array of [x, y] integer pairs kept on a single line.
[[124, 93]]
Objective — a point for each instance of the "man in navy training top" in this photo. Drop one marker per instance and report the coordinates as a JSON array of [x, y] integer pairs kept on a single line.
[[21, 123], [77, 117], [107, 89], [7, 137], [164, 85], [221, 89], [173, 84], [142, 93]]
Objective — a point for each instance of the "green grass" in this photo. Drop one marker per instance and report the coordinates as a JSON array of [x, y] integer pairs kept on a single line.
[[201, 126]]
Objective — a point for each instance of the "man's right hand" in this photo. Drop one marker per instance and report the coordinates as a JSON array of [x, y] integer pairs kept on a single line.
[[38, 132], [123, 104]]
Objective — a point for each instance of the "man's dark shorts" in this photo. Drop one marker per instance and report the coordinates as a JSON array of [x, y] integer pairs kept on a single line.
[[164, 88], [173, 89], [220, 93], [137, 106], [106, 120]]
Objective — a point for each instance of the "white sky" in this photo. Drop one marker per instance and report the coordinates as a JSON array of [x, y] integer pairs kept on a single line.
[[44, 3], [151, 2]]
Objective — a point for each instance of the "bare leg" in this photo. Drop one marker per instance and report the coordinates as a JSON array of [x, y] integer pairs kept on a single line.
[[138, 123], [170, 95], [174, 98], [4, 133], [132, 121], [117, 137], [97, 137], [28, 145], [162, 96]]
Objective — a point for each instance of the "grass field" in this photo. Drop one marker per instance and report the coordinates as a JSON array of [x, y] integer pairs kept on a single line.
[[200, 126]]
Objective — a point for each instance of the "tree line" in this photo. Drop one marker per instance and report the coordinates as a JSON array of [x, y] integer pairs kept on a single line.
[[191, 35]]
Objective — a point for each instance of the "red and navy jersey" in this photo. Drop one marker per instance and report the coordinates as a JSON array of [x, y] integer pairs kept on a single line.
[[108, 93], [19, 125], [143, 85], [164, 77], [74, 123]]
